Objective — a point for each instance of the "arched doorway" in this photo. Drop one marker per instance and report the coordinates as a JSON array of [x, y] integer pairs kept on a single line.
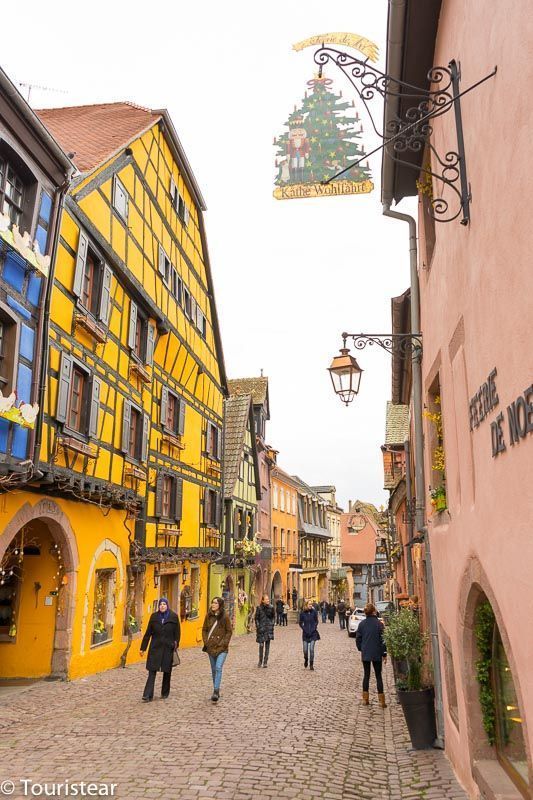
[[38, 558], [277, 587], [228, 595]]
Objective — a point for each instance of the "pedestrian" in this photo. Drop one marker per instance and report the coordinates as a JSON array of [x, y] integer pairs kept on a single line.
[[308, 622], [264, 627], [286, 609], [347, 614], [163, 633], [324, 610], [216, 635], [370, 642], [341, 611], [279, 611], [294, 598], [331, 612]]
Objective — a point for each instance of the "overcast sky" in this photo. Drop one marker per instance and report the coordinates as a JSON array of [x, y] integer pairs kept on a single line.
[[289, 275]]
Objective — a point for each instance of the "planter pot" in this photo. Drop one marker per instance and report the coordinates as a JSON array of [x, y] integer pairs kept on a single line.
[[99, 636], [419, 712]]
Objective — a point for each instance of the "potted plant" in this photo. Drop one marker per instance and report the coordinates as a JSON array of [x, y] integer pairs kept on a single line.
[[99, 632], [438, 498], [405, 643], [133, 624]]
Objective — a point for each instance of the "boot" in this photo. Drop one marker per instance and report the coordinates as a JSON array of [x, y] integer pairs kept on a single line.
[[381, 698], [215, 695], [366, 700], [312, 669], [305, 662]]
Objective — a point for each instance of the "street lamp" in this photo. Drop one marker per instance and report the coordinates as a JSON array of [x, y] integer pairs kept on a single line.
[[345, 375]]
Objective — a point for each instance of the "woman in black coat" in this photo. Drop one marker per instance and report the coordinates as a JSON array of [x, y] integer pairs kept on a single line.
[[264, 626], [163, 633], [331, 612], [308, 622], [370, 642]]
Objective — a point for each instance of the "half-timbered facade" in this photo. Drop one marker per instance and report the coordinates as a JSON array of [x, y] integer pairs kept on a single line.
[[132, 434]]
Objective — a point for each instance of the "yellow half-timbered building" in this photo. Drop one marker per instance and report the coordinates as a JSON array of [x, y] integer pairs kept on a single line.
[[131, 430]]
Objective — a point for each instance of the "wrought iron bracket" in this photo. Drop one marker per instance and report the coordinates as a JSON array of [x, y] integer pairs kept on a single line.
[[394, 343], [412, 130]]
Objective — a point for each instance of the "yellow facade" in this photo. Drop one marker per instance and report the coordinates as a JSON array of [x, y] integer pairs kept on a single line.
[[284, 497], [131, 474]]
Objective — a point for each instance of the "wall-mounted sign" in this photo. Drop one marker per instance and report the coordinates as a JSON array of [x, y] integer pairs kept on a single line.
[[23, 245], [519, 415], [24, 415], [353, 40]]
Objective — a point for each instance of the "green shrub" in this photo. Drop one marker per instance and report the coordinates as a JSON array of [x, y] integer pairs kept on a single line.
[[484, 630], [405, 642]]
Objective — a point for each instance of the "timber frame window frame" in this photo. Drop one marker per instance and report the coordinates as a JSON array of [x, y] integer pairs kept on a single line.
[[136, 421], [164, 267], [9, 349], [141, 336], [12, 191], [105, 581], [169, 496], [89, 397], [178, 203], [172, 413], [97, 281], [212, 507], [120, 199]]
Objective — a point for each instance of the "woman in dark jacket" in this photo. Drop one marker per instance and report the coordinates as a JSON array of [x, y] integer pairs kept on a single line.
[[163, 633], [264, 626], [331, 612], [308, 622], [369, 640], [216, 634]]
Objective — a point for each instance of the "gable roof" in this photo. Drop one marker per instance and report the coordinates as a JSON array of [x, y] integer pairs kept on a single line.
[[397, 423], [238, 413], [94, 133], [256, 387]]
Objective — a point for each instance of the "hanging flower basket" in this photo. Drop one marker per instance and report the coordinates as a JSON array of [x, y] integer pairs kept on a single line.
[[247, 548], [438, 498]]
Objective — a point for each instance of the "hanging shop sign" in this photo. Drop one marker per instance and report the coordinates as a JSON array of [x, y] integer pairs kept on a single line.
[[24, 414], [24, 246], [513, 426], [322, 136]]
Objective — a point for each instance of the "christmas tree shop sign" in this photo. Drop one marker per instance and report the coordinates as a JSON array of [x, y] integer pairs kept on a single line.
[[519, 414], [321, 140]]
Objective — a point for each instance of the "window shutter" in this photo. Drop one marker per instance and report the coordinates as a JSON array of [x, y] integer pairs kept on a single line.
[[132, 332], [94, 407], [199, 318], [218, 508], [146, 434], [186, 215], [219, 443], [159, 495], [193, 310], [208, 439], [105, 297], [173, 189], [236, 531], [164, 406], [126, 424], [81, 258], [178, 498], [181, 420], [65, 375], [162, 257], [150, 344]]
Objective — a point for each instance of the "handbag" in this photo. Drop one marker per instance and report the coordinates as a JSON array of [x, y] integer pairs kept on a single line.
[[176, 660]]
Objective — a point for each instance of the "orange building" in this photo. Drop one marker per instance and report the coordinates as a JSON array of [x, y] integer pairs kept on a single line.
[[284, 534]]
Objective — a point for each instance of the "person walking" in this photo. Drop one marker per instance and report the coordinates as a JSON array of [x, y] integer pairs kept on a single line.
[[308, 622], [324, 607], [163, 633], [341, 611], [347, 614], [294, 598], [286, 609], [370, 642], [264, 626], [331, 612], [216, 635], [279, 611]]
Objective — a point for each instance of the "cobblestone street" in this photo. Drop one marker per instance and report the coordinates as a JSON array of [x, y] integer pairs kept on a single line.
[[280, 732]]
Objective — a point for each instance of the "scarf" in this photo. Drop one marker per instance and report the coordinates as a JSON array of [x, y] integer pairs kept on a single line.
[[163, 616]]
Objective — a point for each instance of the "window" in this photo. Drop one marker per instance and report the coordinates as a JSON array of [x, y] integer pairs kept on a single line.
[[92, 280], [214, 441], [141, 336], [201, 322], [251, 473], [165, 267], [133, 609], [11, 192], [178, 202], [275, 496], [9, 590], [135, 430], [78, 399], [282, 499], [43, 222], [120, 199], [169, 496], [104, 606], [187, 302], [195, 592], [9, 334], [212, 508], [177, 286]]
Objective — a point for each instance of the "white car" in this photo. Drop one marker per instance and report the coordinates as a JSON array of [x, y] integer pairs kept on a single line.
[[354, 620]]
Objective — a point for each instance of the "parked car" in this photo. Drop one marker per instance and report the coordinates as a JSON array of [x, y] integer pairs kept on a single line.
[[353, 622]]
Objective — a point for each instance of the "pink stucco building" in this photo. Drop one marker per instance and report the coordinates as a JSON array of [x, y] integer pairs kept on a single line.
[[476, 308]]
